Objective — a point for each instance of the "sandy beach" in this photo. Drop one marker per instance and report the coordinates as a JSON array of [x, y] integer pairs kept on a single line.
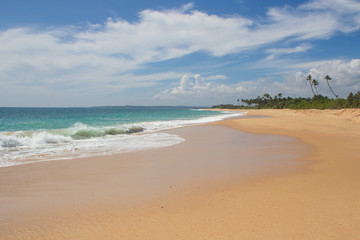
[[290, 175]]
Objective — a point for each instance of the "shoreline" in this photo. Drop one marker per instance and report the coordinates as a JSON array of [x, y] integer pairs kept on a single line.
[[146, 174], [43, 145], [318, 201]]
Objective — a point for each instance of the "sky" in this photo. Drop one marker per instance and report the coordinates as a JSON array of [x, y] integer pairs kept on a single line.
[[65, 53]]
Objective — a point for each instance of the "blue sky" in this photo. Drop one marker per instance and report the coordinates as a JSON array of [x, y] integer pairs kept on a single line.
[[197, 53]]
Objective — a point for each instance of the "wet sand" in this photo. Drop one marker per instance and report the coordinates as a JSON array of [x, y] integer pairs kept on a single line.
[[220, 184]]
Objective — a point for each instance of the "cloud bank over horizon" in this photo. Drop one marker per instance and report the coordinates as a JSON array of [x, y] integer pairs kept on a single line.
[[345, 77], [101, 60]]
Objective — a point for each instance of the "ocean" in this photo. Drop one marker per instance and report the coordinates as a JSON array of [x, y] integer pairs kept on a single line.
[[29, 135]]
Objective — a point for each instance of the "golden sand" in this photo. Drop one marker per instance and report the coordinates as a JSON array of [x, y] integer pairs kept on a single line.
[[321, 200]]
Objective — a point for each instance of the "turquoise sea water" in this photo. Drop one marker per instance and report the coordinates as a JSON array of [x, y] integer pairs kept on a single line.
[[42, 134]]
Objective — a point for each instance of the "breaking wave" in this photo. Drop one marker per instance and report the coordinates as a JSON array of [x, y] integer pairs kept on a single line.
[[81, 140], [78, 132]]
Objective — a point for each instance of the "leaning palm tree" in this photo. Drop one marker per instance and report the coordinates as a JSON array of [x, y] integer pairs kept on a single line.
[[310, 80], [315, 83], [328, 78]]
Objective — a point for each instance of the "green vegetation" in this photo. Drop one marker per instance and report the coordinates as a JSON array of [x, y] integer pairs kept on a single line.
[[279, 102], [316, 102]]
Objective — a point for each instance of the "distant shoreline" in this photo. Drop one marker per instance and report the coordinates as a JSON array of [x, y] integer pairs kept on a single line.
[[280, 102]]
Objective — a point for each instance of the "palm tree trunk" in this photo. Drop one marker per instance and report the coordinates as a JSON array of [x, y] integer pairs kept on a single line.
[[312, 89], [317, 93], [331, 89]]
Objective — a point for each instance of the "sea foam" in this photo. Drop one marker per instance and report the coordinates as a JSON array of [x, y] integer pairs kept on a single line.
[[82, 140]]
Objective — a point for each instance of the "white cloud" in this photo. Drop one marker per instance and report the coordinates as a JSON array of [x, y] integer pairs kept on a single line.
[[97, 56], [135, 81], [350, 21], [187, 7], [161, 35], [345, 76], [216, 77], [345, 79], [279, 51], [194, 85]]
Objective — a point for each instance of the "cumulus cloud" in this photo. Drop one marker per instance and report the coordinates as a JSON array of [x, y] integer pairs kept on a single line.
[[193, 84], [345, 76], [345, 79], [198, 89]]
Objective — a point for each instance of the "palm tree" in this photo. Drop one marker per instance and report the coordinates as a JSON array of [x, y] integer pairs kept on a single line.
[[309, 79], [238, 100], [328, 78], [267, 96], [315, 83]]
